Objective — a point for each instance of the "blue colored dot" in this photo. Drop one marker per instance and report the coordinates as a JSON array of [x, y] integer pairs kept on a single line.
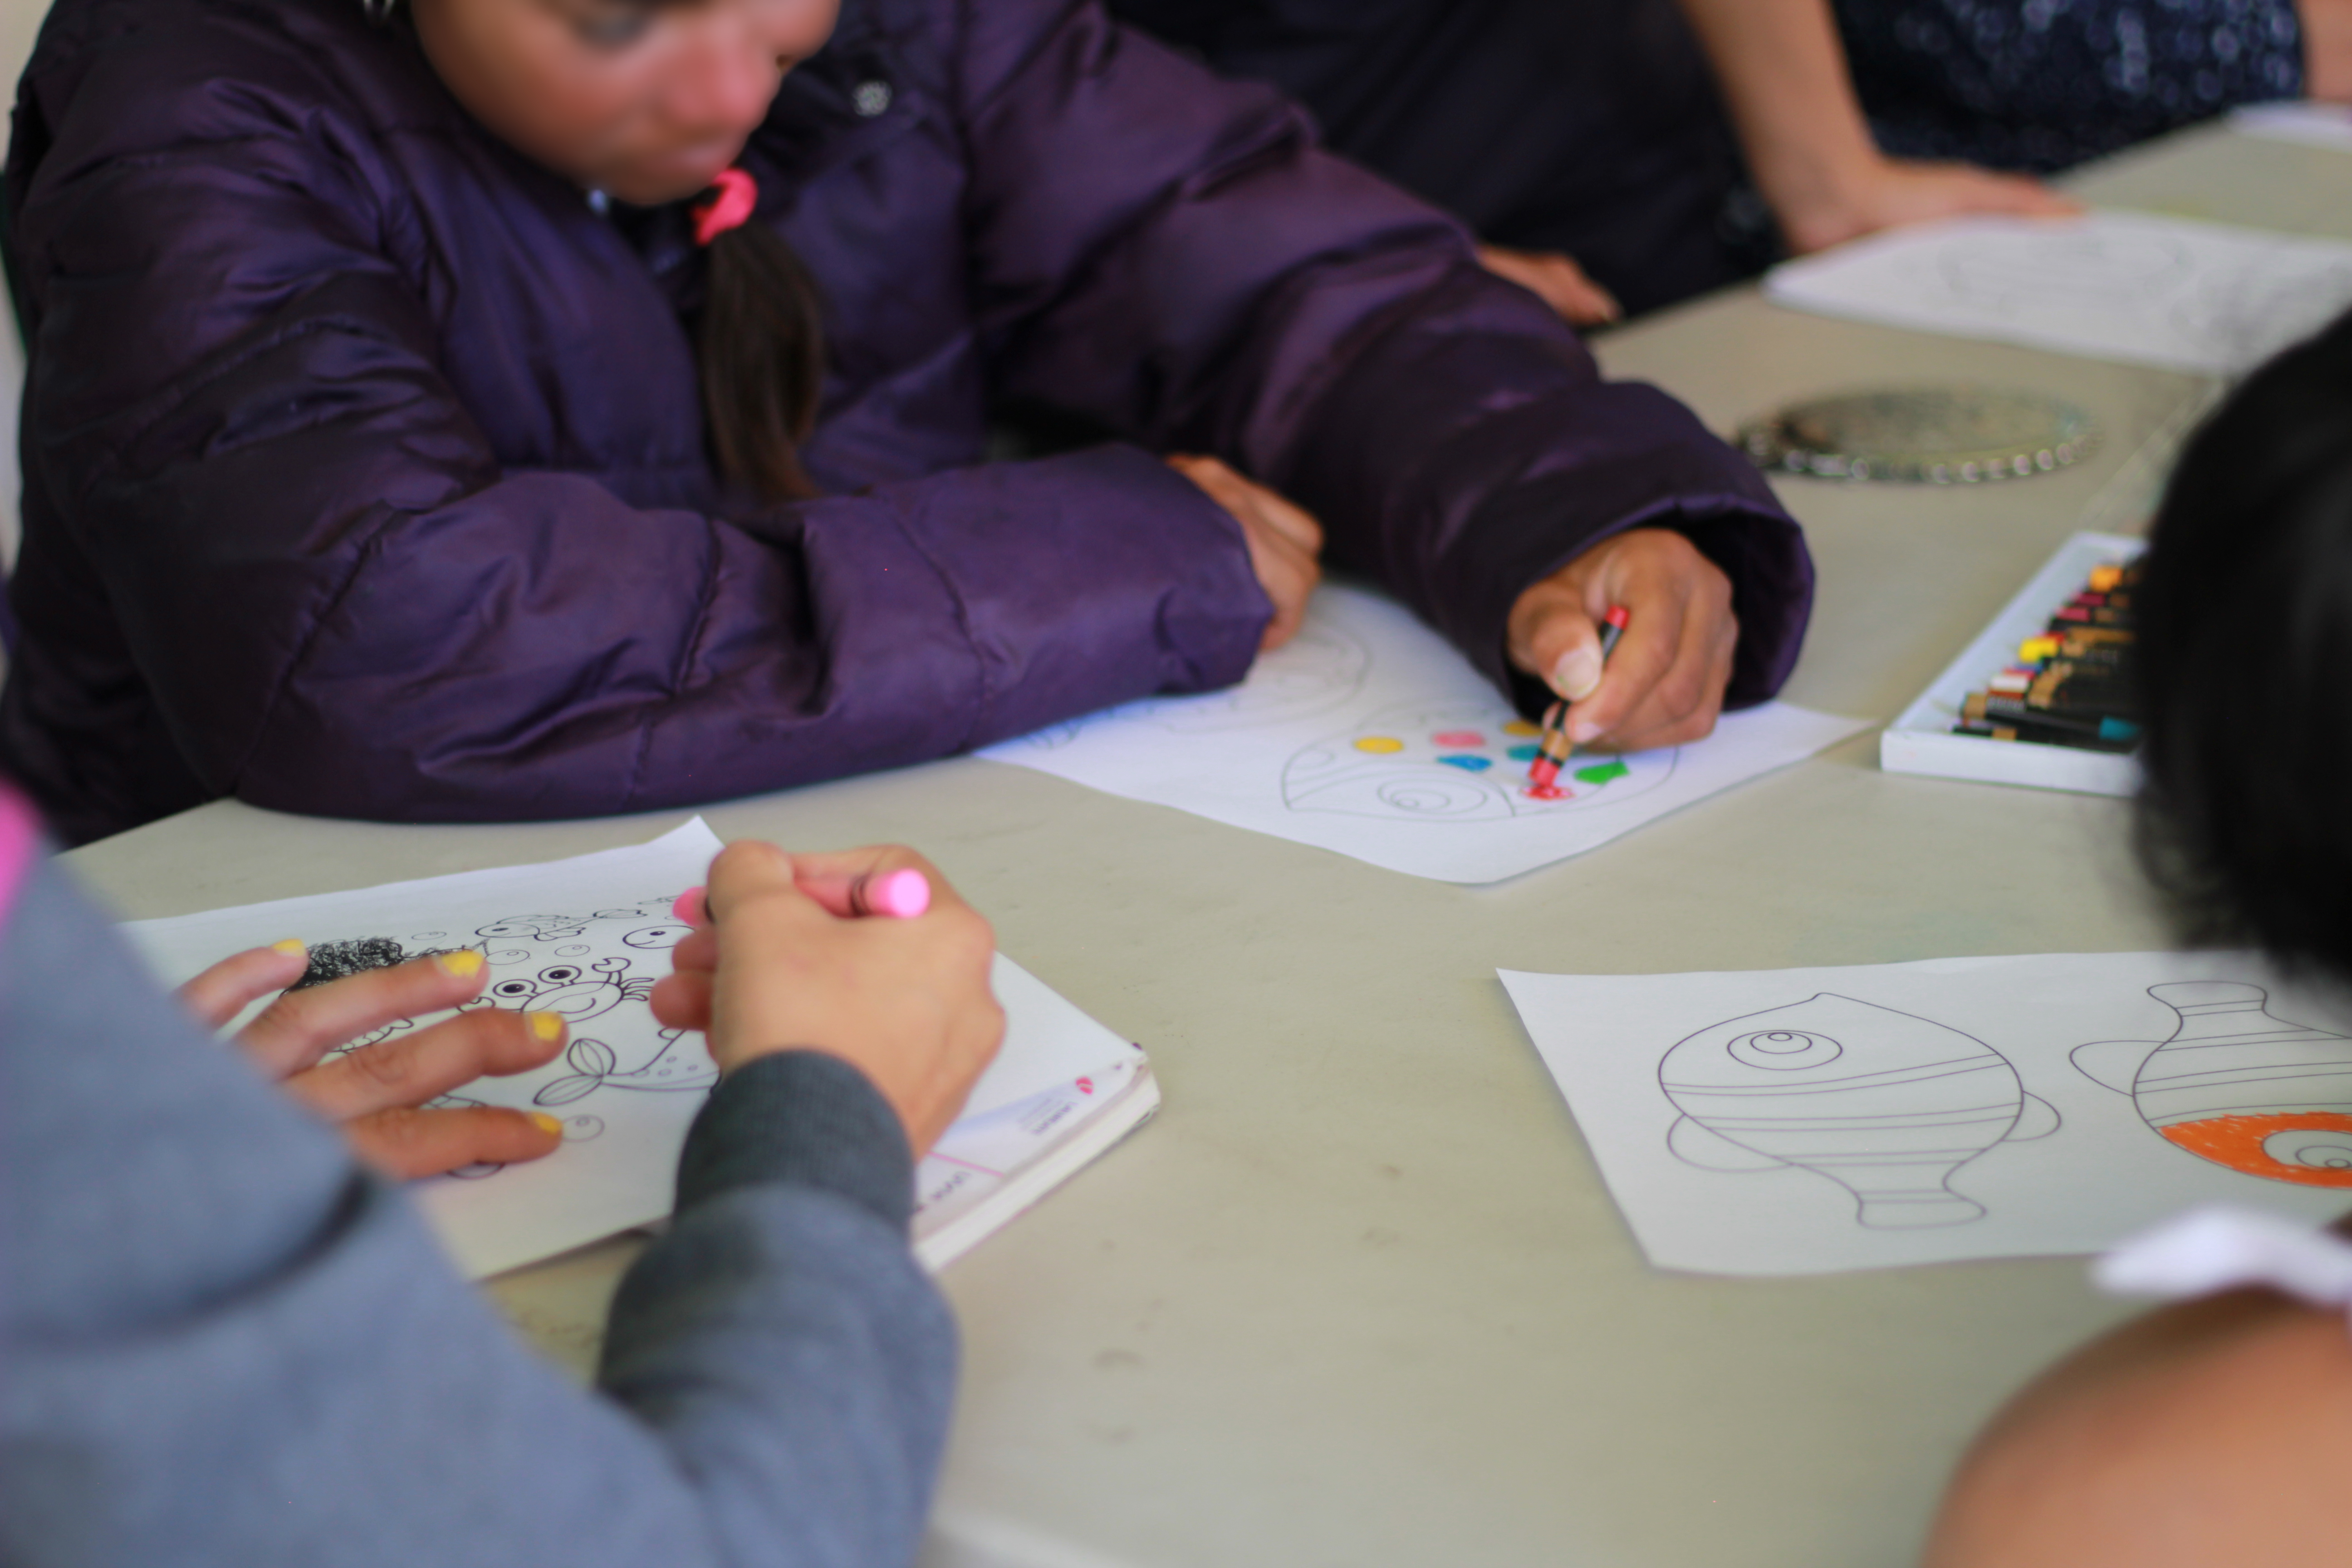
[[1523, 753], [1468, 764]]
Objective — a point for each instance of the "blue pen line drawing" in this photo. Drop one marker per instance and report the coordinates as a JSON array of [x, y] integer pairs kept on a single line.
[[1887, 1105]]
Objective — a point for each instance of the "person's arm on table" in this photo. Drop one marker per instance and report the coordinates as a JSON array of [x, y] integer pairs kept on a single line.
[[1783, 72], [222, 1343], [1206, 279], [342, 603]]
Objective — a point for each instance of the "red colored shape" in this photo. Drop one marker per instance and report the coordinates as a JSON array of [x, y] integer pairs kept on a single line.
[[1618, 616], [1085, 1086], [738, 194], [1549, 792], [1459, 737]]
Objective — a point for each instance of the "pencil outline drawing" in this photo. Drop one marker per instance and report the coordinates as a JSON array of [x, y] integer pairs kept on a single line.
[[2228, 305], [1319, 669], [1892, 1135], [2236, 1085]]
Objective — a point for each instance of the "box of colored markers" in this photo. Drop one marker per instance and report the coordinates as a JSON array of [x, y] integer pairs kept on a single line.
[[2043, 696]]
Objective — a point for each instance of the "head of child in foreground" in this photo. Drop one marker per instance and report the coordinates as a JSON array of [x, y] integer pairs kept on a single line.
[[2244, 609], [647, 100]]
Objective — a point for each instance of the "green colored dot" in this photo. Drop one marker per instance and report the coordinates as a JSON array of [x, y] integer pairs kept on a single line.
[[1603, 772]]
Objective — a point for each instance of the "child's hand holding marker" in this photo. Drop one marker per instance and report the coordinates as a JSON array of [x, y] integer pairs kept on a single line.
[[866, 954], [1664, 686]]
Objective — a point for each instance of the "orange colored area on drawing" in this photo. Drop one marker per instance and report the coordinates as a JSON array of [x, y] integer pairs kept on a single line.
[[2238, 1141]]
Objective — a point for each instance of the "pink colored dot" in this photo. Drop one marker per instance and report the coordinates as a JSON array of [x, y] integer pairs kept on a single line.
[[1459, 737]]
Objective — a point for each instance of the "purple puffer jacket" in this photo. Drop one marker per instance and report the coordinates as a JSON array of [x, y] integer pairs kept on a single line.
[[365, 472]]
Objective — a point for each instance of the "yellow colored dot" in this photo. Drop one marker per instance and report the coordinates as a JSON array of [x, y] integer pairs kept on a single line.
[[1380, 745], [1521, 727]]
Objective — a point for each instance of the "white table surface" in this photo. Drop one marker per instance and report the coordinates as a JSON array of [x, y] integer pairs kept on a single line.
[[1357, 1297]]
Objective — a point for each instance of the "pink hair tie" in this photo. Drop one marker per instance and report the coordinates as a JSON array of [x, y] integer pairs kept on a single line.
[[738, 194]]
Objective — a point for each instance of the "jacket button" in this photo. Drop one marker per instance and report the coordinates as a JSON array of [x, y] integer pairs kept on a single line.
[[871, 98]]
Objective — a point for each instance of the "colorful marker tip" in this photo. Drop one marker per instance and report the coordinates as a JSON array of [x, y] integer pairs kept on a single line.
[[904, 893], [689, 906]]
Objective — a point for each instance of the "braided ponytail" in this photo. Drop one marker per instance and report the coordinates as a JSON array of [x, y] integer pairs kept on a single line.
[[761, 345]]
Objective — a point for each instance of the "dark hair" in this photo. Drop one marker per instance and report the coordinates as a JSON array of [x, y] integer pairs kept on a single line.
[[2244, 609], [762, 348]]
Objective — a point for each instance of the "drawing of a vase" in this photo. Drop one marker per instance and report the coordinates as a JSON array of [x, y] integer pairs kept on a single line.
[[1885, 1104], [2237, 1085]]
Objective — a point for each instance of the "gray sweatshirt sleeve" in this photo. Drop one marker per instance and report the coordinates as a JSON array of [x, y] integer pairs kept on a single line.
[[222, 1344]]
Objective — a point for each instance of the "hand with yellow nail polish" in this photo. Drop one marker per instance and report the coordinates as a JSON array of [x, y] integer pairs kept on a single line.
[[378, 1090]]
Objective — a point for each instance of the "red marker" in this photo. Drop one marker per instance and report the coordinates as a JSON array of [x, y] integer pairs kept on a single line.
[[902, 894], [1554, 748]]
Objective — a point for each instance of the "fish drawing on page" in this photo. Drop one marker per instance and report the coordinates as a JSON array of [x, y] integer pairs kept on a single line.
[[1887, 1105], [2237, 1085], [1465, 761], [1321, 668]]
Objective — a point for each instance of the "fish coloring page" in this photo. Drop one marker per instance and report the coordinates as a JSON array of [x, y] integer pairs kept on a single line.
[[1814, 1121], [2147, 289], [587, 938], [1369, 735]]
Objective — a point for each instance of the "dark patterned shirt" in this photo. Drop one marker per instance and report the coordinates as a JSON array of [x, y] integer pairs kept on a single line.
[[2043, 84]]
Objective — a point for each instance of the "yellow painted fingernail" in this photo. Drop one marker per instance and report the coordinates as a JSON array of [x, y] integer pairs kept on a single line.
[[465, 963], [543, 1122], [546, 1026], [292, 947]]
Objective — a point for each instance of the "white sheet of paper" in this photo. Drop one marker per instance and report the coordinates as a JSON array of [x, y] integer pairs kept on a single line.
[[626, 1087], [2134, 287], [1811, 1120], [1367, 734], [2312, 124]]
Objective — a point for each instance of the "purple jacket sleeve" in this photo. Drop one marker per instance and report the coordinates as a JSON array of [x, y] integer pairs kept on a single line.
[[345, 605], [1208, 278]]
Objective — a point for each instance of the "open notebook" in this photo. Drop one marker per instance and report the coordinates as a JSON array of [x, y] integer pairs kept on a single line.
[[587, 938]]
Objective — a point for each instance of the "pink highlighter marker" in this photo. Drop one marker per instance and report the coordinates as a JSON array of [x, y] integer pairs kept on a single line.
[[902, 894]]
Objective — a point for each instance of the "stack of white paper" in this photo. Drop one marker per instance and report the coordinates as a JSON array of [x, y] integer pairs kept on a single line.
[[587, 938]]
